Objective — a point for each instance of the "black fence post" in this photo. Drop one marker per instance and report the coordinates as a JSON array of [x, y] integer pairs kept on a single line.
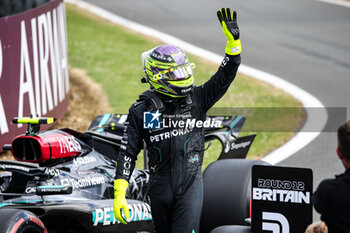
[[10, 7]]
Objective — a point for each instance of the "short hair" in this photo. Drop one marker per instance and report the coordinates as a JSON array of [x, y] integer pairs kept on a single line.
[[344, 139]]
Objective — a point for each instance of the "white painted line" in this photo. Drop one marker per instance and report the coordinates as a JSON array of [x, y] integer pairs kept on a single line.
[[316, 119], [300, 140], [336, 2]]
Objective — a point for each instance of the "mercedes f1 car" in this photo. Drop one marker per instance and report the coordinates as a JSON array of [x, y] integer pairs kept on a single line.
[[62, 180]]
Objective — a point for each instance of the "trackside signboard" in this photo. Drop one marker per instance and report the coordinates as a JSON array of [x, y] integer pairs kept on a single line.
[[281, 199], [33, 66]]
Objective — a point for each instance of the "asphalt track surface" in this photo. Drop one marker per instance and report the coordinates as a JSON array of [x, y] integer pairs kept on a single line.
[[303, 41]]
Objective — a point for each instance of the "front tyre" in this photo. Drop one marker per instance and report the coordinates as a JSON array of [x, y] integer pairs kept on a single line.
[[20, 221], [232, 229], [227, 192]]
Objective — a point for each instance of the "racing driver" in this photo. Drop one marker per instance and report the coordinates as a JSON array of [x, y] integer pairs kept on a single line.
[[175, 151]]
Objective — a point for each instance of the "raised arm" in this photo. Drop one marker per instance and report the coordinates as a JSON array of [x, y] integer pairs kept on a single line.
[[212, 90]]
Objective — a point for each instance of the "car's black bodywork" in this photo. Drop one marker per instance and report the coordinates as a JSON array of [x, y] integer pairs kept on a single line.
[[71, 189]]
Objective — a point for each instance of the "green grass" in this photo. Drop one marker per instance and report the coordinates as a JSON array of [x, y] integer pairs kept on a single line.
[[111, 56]]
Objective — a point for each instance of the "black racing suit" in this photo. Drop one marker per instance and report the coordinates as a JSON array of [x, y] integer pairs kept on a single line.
[[331, 200], [175, 152]]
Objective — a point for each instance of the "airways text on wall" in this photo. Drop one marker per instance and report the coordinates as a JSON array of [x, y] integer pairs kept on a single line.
[[33, 66]]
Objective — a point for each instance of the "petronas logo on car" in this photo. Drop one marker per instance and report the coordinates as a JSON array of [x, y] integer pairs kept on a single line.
[[105, 216]]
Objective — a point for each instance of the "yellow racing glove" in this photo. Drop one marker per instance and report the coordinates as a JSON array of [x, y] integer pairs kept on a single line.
[[231, 31], [120, 205]]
